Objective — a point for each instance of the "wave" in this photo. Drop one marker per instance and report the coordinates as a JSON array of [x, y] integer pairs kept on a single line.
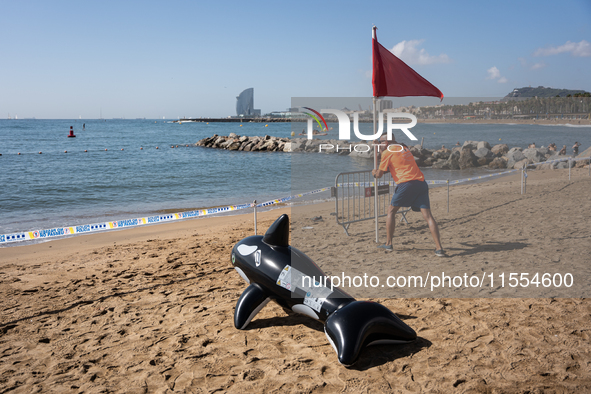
[[567, 125]]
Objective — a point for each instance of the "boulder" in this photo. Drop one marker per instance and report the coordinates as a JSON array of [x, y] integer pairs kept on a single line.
[[472, 145], [482, 144], [296, 146], [453, 161], [482, 161], [513, 156], [562, 165], [522, 163], [467, 159], [582, 163], [429, 161], [269, 145], [484, 152], [556, 156], [415, 150], [232, 135], [234, 145], [225, 144], [534, 155], [256, 146], [546, 166], [441, 164], [498, 163], [311, 145], [500, 149], [441, 154]]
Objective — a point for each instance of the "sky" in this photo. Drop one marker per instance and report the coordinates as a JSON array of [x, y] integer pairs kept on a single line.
[[154, 59]]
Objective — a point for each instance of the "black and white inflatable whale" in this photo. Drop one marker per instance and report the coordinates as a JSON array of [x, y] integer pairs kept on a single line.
[[276, 271]]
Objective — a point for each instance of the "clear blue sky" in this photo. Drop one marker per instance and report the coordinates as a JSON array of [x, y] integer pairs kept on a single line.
[[65, 59]]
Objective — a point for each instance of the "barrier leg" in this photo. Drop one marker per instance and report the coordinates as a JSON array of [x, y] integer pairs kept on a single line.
[[255, 216], [447, 195], [569, 162], [522, 181]]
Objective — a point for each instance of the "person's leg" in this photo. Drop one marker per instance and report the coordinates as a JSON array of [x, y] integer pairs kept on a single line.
[[391, 224], [432, 226]]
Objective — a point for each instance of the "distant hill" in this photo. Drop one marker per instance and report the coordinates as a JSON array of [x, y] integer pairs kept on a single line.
[[540, 91]]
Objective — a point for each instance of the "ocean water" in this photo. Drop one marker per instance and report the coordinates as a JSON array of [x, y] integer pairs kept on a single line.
[[113, 170]]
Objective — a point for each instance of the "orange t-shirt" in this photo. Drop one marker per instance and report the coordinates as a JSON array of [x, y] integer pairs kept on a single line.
[[401, 164]]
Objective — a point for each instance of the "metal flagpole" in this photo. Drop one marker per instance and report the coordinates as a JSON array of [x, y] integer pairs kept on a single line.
[[375, 167], [375, 154]]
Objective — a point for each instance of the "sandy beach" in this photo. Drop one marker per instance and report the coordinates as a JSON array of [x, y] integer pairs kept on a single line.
[[150, 310]]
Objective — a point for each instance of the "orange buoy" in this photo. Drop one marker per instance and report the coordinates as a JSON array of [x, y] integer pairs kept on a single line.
[[65, 151], [156, 147], [39, 152], [121, 148], [85, 150], [19, 153], [105, 150], [141, 148]]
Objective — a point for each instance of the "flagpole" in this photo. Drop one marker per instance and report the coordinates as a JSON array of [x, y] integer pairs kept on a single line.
[[375, 155]]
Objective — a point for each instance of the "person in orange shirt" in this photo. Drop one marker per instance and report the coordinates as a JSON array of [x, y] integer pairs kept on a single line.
[[411, 189]]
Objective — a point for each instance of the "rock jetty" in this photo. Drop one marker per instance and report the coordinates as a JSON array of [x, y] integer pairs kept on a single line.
[[469, 155]]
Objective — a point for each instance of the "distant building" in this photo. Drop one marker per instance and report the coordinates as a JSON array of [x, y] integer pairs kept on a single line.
[[384, 104], [245, 104]]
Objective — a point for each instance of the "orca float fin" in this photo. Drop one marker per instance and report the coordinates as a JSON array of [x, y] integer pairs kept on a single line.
[[252, 300], [278, 233], [363, 323]]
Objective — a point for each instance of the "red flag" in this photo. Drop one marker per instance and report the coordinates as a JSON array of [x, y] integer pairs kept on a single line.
[[393, 78]]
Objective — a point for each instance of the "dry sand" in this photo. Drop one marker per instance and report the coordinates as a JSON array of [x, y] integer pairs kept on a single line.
[[150, 309]]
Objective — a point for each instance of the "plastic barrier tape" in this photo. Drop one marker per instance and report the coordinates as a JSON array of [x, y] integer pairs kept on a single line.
[[119, 224]]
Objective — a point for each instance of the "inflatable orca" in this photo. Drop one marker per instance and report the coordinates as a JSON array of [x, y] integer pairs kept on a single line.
[[276, 271]]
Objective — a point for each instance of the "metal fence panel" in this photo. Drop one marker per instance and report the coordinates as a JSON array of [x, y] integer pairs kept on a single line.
[[354, 197]]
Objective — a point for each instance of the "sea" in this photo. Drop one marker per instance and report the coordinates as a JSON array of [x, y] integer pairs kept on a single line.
[[117, 169]]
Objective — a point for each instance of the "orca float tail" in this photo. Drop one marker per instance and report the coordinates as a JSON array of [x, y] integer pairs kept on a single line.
[[364, 323]]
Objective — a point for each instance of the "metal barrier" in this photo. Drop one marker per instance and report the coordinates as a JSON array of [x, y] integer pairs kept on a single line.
[[355, 201]]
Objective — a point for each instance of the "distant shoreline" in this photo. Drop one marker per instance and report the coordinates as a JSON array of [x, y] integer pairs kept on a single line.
[[574, 122]]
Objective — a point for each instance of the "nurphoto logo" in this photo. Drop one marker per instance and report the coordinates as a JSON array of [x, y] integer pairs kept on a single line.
[[345, 124]]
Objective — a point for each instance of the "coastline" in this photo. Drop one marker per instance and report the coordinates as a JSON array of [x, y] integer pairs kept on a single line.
[[557, 122], [151, 309]]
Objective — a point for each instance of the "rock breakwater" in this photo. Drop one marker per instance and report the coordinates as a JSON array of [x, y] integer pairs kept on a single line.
[[469, 155]]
